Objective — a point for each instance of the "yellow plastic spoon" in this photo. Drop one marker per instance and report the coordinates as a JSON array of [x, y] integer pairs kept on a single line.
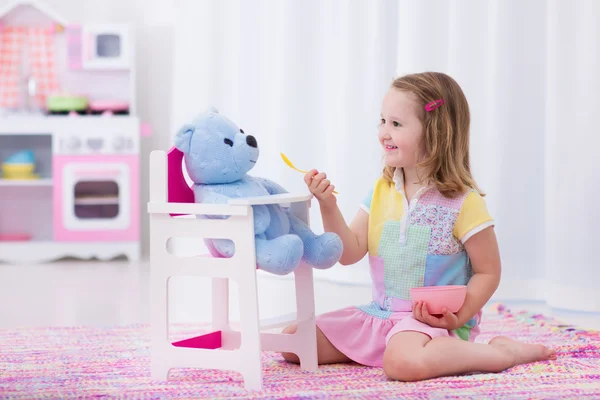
[[292, 166]]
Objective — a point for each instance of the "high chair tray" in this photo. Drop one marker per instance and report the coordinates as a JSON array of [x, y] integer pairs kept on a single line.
[[271, 199]]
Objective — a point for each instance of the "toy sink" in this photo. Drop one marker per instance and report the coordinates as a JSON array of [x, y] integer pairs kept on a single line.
[[437, 298]]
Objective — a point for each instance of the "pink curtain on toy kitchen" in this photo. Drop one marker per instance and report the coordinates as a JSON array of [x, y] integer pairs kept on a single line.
[[38, 45]]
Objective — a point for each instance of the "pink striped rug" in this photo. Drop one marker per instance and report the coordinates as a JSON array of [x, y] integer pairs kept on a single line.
[[83, 362]]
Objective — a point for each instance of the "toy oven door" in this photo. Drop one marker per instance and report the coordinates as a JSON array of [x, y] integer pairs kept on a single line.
[[93, 199]]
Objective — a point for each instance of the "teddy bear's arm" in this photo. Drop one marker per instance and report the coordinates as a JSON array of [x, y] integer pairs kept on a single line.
[[272, 187], [207, 194], [203, 194]]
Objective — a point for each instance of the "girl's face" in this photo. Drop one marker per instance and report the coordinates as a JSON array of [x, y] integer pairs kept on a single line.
[[401, 130]]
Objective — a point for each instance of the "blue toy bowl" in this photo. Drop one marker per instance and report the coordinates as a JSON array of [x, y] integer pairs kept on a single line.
[[21, 157]]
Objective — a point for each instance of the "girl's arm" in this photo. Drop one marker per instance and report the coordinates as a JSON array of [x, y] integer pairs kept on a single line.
[[483, 251], [354, 237]]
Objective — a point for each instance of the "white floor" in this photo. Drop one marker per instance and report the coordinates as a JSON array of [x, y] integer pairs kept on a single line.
[[116, 293]]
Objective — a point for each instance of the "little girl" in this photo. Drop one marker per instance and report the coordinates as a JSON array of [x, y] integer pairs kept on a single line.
[[424, 223]]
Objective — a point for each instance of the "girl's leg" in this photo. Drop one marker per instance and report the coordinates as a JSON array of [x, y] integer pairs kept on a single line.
[[413, 356], [326, 352]]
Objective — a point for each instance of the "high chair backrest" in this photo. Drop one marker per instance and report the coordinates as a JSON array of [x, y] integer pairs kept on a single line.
[[178, 190]]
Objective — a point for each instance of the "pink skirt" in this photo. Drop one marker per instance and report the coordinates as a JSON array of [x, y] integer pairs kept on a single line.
[[362, 333]]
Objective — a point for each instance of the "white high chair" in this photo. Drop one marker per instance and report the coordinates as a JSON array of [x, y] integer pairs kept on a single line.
[[171, 200]]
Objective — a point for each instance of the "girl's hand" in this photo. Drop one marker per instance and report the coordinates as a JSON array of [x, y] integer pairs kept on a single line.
[[447, 321], [319, 185]]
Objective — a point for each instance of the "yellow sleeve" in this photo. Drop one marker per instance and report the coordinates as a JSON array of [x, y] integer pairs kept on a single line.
[[473, 217]]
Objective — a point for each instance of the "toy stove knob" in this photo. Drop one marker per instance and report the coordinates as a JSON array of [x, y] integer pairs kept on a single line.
[[119, 143], [73, 143]]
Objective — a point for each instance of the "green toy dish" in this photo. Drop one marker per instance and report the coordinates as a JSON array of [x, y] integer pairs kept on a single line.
[[65, 103]]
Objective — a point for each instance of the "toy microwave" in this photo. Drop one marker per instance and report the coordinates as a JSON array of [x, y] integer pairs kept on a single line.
[[99, 46]]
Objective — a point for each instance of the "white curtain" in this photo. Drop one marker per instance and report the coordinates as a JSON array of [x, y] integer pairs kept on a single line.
[[307, 77]]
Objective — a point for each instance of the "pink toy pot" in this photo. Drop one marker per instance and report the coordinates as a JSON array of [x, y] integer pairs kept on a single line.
[[437, 298]]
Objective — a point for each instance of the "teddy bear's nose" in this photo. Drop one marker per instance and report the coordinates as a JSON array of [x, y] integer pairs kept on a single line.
[[251, 141]]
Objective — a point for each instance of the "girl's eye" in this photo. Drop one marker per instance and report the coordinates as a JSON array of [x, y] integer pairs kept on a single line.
[[382, 121], [228, 142], [396, 124]]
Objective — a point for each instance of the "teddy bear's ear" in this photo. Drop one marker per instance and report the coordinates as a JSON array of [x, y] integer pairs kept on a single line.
[[184, 137], [212, 110]]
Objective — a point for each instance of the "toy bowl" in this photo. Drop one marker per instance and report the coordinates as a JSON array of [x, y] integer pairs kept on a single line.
[[63, 103], [17, 171], [437, 298], [107, 106]]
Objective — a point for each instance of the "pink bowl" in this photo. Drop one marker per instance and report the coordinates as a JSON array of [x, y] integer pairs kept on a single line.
[[437, 298], [108, 105]]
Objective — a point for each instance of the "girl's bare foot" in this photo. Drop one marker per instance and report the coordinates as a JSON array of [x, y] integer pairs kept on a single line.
[[523, 353]]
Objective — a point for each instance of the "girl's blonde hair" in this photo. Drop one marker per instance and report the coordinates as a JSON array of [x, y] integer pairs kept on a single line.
[[445, 132]]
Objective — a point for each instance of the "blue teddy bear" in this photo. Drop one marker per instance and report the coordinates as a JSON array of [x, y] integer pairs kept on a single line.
[[218, 155]]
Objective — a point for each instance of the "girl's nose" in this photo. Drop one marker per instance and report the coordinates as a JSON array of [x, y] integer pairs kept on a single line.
[[384, 132]]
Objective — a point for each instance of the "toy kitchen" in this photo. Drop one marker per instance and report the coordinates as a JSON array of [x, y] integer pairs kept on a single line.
[[69, 138]]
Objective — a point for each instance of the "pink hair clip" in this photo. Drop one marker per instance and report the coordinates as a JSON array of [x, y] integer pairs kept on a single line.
[[434, 104]]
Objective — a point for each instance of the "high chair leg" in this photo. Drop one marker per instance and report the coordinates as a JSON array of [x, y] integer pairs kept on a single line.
[[220, 303], [253, 378], [306, 332], [250, 346], [159, 372], [160, 325]]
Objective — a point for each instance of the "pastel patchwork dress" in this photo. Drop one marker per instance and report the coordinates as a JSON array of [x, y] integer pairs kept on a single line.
[[409, 245]]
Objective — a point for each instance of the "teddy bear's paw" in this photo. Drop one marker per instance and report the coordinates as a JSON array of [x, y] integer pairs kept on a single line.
[[280, 255], [323, 251]]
